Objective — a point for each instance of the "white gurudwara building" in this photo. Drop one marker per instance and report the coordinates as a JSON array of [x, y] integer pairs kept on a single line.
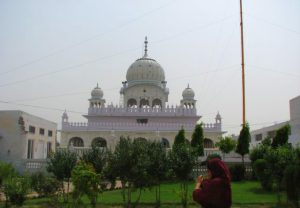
[[144, 112]]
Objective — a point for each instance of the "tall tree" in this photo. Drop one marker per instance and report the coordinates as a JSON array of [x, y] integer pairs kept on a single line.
[[197, 140], [243, 142], [61, 164], [282, 136], [226, 145]]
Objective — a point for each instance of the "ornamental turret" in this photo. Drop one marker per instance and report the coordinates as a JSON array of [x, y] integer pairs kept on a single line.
[[188, 100], [96, 100]]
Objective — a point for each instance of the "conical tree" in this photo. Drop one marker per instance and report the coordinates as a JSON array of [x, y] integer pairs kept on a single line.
[[197, 140], [243, 143], [179, 138]]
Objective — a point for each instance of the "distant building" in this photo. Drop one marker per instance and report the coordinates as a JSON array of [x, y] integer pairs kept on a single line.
[[295, 120], [26, 140], [143, 114], [258, 135]]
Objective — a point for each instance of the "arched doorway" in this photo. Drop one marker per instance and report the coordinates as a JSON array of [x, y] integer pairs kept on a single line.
[[99, 142], [76, 142], [165, 143], [208, 143]]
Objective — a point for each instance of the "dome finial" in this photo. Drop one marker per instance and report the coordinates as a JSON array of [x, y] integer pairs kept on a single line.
[[188, 85], [97, 85], [146, 50]]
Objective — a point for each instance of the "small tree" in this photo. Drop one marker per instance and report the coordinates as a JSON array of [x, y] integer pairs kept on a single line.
[[278, 159], [197, 140], [130, 162], [182, 161], [86, 181], [44, 185], [109, 170], [158, 167], [226, 145], [97, 156], [282, 136], [244, 139], [61, 164]]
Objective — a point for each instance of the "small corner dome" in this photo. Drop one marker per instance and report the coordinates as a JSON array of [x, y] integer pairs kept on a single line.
[[188, 93], [97, 92]]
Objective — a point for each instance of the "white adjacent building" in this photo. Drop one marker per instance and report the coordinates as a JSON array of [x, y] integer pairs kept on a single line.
[[26, 140], [144, 112], [258, 135], [295, 120]]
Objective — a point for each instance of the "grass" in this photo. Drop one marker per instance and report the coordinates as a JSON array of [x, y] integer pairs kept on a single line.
[[248, 192], [244, 194]]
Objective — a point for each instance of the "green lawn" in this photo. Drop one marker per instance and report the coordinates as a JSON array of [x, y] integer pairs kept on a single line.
[[244, 194], [248, 192]]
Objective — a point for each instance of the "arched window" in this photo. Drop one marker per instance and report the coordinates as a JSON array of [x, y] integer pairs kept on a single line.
[[208, 143], [144, 103], [156, 103], [99, 142], [165, 143], [76, 142], [131, 102]]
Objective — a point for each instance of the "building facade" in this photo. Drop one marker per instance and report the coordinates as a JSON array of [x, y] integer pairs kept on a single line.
[[144, 112], [25, 140], [295, 120], [259, 134]]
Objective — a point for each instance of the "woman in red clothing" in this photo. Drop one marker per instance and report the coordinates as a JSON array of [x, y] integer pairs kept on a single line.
[[214, 192]]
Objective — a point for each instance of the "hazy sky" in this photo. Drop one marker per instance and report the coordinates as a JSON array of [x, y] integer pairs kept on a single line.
[[53, 53]]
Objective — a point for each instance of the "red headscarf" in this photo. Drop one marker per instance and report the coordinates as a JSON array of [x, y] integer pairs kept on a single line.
[[218, 169]]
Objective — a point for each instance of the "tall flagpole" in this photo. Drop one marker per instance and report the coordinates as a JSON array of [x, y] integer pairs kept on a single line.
[[243, 64]]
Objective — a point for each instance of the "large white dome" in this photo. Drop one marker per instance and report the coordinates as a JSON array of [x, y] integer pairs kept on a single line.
[[145, 69]]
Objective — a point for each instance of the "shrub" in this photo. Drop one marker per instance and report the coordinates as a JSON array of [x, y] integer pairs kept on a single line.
[[258, 152], [263, 174], [16, 189], [6, 171], [44, 185], [237, 172], [292, 182]]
